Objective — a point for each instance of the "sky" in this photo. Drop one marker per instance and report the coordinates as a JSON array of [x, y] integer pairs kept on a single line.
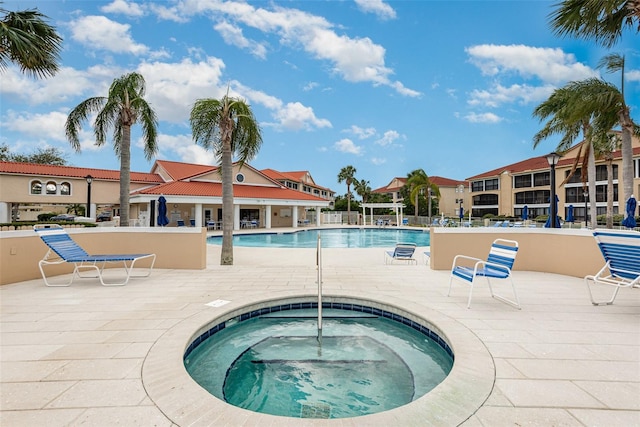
[[384, 86]]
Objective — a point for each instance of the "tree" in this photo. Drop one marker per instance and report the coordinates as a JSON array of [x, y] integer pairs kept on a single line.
[[43, 156], [363, 189], [76, 208], [347, 175], [418, 183], [227, 127], [29, 41], [600, 20], [122, 108]]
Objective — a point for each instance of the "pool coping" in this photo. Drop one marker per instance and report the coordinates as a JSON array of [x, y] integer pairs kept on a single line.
[[453, 401]]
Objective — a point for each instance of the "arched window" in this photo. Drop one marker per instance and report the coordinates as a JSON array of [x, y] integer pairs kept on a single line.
[[51, 187], [36, 187], [65, 189]]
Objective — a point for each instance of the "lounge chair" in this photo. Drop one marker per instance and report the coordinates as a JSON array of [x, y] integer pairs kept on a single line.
[[402, 252], [192, 222], [180, 222], [63, 249], [506, 223], [621, 251], [211, 225], [497, 224], [497, 266]]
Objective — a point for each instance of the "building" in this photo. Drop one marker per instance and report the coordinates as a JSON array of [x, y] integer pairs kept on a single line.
[[508, 189], [193, 193]]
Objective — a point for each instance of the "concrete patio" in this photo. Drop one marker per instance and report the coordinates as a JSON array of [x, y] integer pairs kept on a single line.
[[76, 356]]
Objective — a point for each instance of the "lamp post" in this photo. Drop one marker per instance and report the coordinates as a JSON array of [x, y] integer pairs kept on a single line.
[[429, 206], [89, 179], [553, 158], [460, 190], [585, 193]]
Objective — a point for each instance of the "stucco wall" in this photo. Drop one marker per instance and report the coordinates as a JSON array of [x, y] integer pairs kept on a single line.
[[561, 251], [183, 248]]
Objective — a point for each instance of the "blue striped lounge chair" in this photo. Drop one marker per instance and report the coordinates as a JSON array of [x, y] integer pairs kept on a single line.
[[621, 252], [498, 265], [63, 249], [402, 252]]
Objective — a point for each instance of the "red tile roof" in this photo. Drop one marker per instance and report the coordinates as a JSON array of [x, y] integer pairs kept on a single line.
[[295, 176], [74, 172], [211, 189], [179, 171]]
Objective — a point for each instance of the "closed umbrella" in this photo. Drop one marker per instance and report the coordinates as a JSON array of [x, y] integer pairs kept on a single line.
[[525, 212], [570, 214], [162, 212], [548, 223], [630, 220]]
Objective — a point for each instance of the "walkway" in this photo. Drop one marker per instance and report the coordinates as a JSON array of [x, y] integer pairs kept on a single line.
[[74, 356]]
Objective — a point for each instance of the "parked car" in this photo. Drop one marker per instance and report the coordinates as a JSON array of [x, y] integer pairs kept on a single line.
[[104, 216], [63, 217]]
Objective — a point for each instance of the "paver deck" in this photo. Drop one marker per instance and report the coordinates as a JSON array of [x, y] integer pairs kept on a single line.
[[74, 356]]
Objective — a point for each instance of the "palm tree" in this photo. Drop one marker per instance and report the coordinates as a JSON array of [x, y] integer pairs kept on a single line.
[[226, 127], [418, 182], [123, 107], [600, 20], [28, 40], [76, 208], [363, 189], [347, 175]]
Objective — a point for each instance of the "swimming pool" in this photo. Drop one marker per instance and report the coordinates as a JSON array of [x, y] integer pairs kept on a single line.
[[331, 238]]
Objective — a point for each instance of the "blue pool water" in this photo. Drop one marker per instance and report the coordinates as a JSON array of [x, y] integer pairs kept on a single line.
[[273, 363], [331, 238]]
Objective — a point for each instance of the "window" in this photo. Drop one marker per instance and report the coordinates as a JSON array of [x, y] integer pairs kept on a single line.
[[521, 181], [36, 187], [65, 189], [240, 177], [532, 197], [541, 179], [491, 184], [51, 187], [477, 186], [575, 178], [601, 172], [485, 199]]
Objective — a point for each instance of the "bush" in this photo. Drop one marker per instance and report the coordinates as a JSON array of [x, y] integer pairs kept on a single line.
[[43, 217]]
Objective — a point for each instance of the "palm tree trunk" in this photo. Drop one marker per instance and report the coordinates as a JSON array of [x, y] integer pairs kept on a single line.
[[415, 214], [627, 154], [226, 255], [125, 175], [348, 203], [591, 173], [609, 193]]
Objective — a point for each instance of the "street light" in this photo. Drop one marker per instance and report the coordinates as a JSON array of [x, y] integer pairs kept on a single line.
[[460, 190], [89, 179], [553, 158]]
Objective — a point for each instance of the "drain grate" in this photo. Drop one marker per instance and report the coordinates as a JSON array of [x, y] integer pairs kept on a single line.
[[315, 410]]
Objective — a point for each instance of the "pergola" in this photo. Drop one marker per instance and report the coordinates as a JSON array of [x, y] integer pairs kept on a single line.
[[398, 208]]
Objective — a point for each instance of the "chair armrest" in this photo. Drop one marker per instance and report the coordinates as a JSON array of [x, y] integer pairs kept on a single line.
[[464, 257]]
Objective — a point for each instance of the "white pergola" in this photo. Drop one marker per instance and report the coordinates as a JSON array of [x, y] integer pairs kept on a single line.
[[398, 208]]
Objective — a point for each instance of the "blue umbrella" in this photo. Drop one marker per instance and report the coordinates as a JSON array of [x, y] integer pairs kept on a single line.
[[570, 214], [548, 223], [461, 213], [162, 212], [525, 212], [630, 220]]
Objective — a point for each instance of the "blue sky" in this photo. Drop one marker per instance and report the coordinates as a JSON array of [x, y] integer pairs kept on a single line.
[[384, 86]]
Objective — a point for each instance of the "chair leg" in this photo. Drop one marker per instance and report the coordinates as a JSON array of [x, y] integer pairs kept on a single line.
[[514, 303], [593, 301]]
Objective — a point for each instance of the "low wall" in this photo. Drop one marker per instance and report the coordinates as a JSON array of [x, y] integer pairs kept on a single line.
[[179, 248], [562, 251]]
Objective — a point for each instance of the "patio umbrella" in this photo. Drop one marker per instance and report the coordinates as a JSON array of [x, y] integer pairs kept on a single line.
[[162, 212], [548, 223], [570, 214], [525, 212], [630, 220]]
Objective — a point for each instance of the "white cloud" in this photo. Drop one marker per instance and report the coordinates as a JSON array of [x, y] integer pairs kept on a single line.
[[99, 32], [483, 118], [296, 116], [632, 75], [183, 147], [499, 95], [388, 138], [378, 161], [347, 146], [549, 65], [232, 35], [123, 7], [354, 59], [380, 8], [310, 86], [361, 133], [172, 88]]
